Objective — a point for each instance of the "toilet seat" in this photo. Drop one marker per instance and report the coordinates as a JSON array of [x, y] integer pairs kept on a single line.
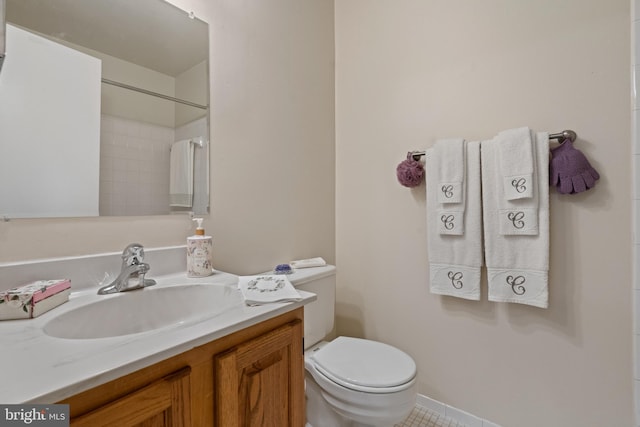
[[364, 365]]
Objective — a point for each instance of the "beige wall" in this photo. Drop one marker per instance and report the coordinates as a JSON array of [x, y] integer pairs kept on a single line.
[[272, 148], [410, 71]]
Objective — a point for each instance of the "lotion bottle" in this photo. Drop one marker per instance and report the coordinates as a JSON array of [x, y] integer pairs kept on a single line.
[[199, 253]]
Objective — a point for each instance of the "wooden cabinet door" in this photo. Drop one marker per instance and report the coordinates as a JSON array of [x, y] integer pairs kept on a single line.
[[260, 383], [163, 403]]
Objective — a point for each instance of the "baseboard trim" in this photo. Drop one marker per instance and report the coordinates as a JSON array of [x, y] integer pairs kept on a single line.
[[455, 414]]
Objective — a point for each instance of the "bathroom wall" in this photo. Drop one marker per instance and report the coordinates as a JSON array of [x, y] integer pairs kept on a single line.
[[272, 131], [411, 71], [272, 148], [635, 29]]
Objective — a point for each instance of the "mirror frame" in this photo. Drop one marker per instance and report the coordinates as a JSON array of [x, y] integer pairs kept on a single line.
[[3, 30]]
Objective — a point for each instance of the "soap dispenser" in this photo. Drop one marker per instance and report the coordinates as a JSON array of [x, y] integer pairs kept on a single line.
[[199, 253]]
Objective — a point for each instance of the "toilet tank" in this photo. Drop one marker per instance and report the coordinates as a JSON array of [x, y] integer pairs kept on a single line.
[[319, 314]]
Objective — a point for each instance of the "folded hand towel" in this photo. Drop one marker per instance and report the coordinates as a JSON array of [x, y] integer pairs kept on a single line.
[[515, 154], [181, 174], [455, 260], [450, 177], [518, 215], [264, 289], [517, 265], [449, 156], [310, 262]]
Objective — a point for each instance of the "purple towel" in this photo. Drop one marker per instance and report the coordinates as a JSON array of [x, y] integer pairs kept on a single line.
[[570, 171]]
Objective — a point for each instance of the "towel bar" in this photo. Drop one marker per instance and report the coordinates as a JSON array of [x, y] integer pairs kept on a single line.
[[560, 136]]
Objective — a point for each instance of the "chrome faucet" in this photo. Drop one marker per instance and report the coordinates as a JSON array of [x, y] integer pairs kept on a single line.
[[132, 273]]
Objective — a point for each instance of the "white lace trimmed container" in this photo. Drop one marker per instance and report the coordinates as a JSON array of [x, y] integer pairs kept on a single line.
[[33, 299]]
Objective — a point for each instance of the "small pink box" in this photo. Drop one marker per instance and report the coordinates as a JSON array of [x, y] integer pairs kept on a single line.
[[33, 299]]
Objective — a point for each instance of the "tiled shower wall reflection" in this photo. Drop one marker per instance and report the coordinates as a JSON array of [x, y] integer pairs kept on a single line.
[[134, 167]]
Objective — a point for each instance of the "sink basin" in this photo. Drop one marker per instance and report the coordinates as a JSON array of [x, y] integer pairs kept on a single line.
[[143, 310]]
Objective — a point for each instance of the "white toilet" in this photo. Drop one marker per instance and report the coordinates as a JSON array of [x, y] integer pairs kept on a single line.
[[349, 381]]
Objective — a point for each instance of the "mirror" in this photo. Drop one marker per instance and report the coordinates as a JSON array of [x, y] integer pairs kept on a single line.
[[2, 31], [116, 122]]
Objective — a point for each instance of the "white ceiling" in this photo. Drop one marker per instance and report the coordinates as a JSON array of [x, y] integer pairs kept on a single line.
[[150, 33]]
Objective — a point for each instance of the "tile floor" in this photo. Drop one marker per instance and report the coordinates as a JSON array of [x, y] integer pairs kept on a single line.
[[422, 417]]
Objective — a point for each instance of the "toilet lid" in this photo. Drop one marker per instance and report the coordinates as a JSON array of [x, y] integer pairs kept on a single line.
[[354, 361]]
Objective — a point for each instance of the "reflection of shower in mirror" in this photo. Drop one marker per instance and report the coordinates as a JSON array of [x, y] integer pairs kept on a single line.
[[151, 92]]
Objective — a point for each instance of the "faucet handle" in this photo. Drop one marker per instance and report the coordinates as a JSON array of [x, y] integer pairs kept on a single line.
[[133, 254]]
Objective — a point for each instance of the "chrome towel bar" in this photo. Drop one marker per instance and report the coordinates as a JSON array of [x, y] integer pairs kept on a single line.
[[560, 136]]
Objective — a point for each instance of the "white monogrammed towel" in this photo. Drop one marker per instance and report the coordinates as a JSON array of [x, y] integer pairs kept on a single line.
[[516, 163], [449, 158], [518, 214], [264, 289], [517, 262], [455, 259], [450, 171], [181, 174]]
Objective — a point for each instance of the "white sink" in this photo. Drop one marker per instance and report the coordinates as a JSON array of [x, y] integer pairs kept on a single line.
[[143, 310]]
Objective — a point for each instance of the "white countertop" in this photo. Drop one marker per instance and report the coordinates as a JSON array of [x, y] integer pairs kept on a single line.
[[38, 368]]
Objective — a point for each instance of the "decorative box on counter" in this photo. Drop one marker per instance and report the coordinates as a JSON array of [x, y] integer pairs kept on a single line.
[[33, 299]]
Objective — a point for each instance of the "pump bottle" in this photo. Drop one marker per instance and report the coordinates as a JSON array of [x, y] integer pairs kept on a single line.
[[199, 253]]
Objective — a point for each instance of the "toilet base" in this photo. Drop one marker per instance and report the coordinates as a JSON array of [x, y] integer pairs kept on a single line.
[[321, 414]]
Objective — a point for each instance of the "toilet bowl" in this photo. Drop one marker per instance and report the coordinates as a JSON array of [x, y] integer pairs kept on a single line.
[[349, 382], [360, 382]]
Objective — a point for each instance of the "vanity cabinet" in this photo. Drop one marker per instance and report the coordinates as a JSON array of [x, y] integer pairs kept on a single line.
[[163, 403], [254, 381], [252, 377]]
